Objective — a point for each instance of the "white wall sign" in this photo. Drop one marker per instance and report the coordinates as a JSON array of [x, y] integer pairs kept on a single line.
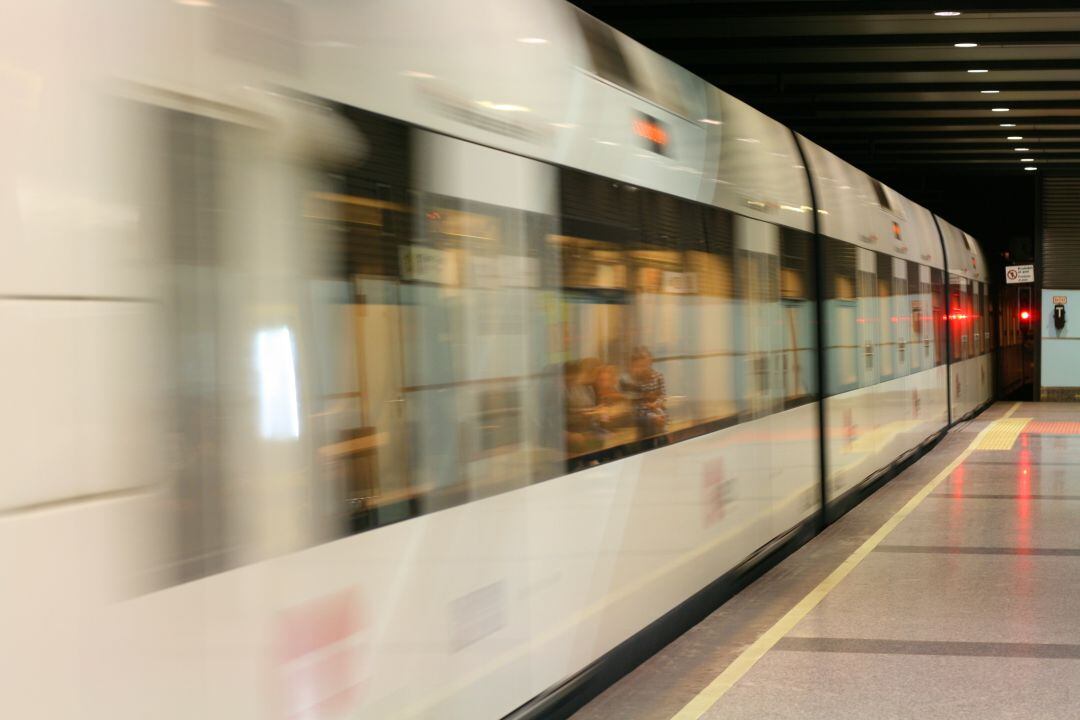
[[1019, 274], [1061, 299], [426, 264]]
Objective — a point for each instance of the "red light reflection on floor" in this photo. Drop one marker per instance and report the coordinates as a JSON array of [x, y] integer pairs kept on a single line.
[[1024, 581], [956, 482], [1023, 500]]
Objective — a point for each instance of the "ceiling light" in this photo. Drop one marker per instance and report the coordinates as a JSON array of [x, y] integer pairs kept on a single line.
[[533, 40], [999, 109], [946, 13], [980, 70], [710, 121], [1021, 149], [1032, 167], [1027, 159], [966, 45], [989, 92], [1008, 124], [1015, 137]]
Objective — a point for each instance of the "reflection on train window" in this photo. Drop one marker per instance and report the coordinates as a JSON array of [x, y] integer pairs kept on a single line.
[[885, 317], [657, 350], [461, 348]]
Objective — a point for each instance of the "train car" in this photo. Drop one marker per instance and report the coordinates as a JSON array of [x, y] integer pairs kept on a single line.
[[408, 359], [885, 346], [971, 372]]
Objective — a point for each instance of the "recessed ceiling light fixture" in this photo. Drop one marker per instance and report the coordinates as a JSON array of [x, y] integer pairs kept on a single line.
[[989, 92], [979, 70], [947, 13], [1015, 137], [1027, 159], [1008, 124], [1021, 149], [965, 45], [1029, 168], [999, 109]]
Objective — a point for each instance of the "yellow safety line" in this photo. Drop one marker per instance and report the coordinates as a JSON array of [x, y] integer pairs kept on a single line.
[[1004, 434], [746, 660]]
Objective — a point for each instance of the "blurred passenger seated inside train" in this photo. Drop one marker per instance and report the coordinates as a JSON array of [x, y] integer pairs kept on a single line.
[[608, 396], [645, 386], [585, 418]]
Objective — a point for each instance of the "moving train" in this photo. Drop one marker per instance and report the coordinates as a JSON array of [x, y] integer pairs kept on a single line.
[[409, 359]]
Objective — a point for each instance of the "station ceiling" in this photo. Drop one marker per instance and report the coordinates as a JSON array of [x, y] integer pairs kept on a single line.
[[882, 82]]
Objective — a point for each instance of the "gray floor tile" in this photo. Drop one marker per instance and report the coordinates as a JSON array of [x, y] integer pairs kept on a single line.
[[838, 686]]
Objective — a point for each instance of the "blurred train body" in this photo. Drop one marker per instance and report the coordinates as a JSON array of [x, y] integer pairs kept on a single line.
[[401, 359]]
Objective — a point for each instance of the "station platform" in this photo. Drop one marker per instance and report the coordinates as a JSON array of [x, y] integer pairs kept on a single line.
[[949, 593]]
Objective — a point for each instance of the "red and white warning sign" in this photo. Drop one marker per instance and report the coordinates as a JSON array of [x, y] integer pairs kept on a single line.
[[1019, 274]]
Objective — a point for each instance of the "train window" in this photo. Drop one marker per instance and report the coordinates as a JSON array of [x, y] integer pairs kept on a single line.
[[460, 347], [797, 292], [839, 270], [841, 314], [757, 261], [971, 321], [646, 295], [886, 327], [360, 225], [959, 312], [867, 328], [912, 307], [977, 317], [432, 335]]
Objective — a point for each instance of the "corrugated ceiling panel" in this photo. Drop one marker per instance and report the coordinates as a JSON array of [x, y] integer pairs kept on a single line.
[[1061, 233]]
